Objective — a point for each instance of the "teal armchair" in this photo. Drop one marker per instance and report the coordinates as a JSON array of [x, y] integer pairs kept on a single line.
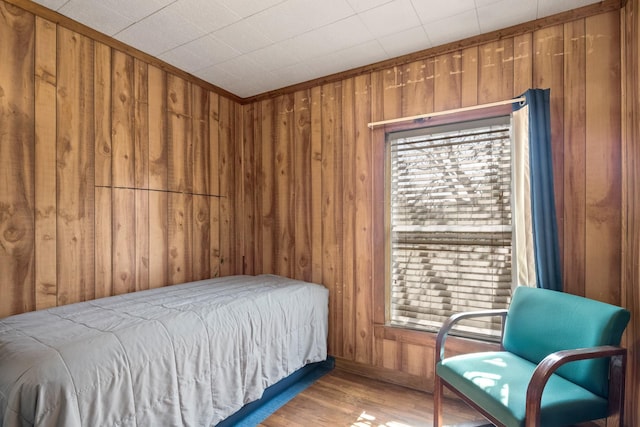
[[559, 363]]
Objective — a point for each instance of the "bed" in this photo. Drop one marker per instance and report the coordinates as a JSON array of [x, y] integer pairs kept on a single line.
[[182, 355]]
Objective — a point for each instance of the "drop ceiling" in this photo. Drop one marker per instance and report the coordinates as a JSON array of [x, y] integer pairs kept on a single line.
[[249, 47]]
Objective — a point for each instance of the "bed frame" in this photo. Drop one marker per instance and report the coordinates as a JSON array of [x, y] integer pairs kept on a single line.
[[190, 354]]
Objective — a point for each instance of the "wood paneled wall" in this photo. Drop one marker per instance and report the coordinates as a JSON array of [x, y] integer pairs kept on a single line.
[[116, 175], [631, 200], [316, 211]]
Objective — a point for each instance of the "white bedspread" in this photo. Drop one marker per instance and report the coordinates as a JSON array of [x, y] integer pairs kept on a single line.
[[183, 355]]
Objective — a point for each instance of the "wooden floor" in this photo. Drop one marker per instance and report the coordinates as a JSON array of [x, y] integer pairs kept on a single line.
[[344, 399]]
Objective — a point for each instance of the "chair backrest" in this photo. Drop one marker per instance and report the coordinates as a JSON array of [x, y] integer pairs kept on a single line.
[[540, 322]]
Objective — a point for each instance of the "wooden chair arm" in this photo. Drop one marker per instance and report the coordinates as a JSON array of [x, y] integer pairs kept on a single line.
[[451, 321], [553, 361]]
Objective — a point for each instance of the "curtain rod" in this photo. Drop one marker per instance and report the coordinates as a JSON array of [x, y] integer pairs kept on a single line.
[[442, 113]]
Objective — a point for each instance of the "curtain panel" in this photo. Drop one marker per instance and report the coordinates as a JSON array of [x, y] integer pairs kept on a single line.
[[536, 254]]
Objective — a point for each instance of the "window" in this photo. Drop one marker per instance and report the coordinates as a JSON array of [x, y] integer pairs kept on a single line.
[[450, 224]]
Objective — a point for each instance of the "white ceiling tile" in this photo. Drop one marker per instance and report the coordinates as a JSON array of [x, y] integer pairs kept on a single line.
[[204, 14], [483, 3], [243, 37], [151, 34], [94, 14], [214, 74], [241, 67], [330, 38], [325, 65], [295, 17], [246, 8], [292, 74], [199, 54], [274, 57], [362, 5], [505, 13], [52, 4], [390, 18], [452, 29], [430, 12], [408, 41], [363, 54], [134, 10]]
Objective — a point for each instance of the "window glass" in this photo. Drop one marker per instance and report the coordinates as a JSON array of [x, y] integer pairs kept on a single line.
[[450, 224]]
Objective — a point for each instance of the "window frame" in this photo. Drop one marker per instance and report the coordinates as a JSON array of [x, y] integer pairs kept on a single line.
[[382, 286]]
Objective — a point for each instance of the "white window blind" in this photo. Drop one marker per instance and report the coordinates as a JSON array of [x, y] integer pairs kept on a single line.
[[450, 224]]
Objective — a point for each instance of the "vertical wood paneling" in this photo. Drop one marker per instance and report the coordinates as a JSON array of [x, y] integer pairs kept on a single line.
[[227, 187], [75, 168], [104, 243], [17, 34], [349, 218], [124, 250], [495, 71], [179, 134], [522, 64], [469, 83], [201, 184], [284, 186], [363, 222], [158, 239], [265, 188], [180, 237], [316, 184], [417, 87], [158, 158], [447, 81], [141, 123], [141, 266], [332, 211], [302, 187], [46, 287], [378, 195], [574, 158], [603, 158], [631, 201], [102, 118], [238, 241], [102, 90], [86, 133], [214, 185], [200, 123], [122, 120], [201, 238], [392, 84], [141, 172], [548, 72], [250, 129], [389, 102], [158, 178]]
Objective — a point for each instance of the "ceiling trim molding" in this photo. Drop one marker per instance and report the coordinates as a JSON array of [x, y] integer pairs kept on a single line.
[[95, 35]]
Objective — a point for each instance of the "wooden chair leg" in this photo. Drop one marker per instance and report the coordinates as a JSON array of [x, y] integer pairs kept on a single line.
[[437, 403], [617, 367]]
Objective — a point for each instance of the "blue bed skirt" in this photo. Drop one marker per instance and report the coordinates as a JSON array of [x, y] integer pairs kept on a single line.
[[278, 394]]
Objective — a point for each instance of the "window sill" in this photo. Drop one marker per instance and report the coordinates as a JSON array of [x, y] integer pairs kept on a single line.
[[428, 339]]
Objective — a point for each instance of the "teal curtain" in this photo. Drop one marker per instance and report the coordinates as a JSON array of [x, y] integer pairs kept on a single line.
[[546, 253]]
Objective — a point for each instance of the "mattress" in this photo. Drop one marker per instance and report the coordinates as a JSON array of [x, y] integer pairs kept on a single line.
[[182, 355]]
